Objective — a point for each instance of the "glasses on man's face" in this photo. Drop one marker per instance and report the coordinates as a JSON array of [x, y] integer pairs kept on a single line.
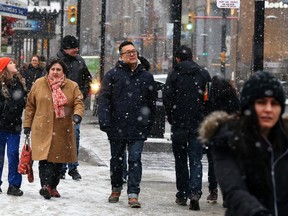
[[129, 53]]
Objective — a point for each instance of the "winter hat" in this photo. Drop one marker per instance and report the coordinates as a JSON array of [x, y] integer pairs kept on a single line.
[[261, 84], [69, 42], [3, 63]]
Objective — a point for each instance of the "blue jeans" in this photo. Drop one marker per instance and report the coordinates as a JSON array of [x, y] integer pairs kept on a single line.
[[13, 141], [188, 179], [74, 165], [135, 148]]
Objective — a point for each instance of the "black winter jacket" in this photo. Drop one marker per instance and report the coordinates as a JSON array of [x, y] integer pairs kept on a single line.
[[77, 71], [11, 107], [251, 171], [183, 95], [127, 102], [31, 74]]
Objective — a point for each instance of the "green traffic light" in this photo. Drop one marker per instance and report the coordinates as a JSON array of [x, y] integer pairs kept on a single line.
[[73, 19], [189, 26]]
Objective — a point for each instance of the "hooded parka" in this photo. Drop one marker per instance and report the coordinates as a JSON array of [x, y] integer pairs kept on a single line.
[[183, 95], [127, 102], [252, 173], [52, 139]]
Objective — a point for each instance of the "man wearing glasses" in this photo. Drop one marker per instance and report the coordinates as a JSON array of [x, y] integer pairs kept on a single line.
[[126, 113]]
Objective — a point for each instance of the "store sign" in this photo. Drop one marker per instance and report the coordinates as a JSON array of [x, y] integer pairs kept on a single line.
[[30, 25], [16, 9], [232, 4], [270, 5]]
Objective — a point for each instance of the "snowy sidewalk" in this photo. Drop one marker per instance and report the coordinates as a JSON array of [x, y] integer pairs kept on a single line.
[[89, 196]]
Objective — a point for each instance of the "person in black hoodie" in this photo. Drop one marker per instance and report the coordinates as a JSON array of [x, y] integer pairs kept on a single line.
[[250, 150], [222, 96], [79, 73], [183, 98], [33, 72], [12, 102]]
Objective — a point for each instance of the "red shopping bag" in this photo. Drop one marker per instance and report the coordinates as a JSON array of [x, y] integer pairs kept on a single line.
[[25, 162]]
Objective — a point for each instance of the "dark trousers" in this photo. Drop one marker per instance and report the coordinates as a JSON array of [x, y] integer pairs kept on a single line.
[[212, 183], [134, 148], [49, 173], [186, 146]]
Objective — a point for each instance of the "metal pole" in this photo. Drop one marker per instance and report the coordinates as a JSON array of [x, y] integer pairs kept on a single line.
[[62, 20], [78, 21], [223, 40], [258, 42], [176, 10], [103, 25]]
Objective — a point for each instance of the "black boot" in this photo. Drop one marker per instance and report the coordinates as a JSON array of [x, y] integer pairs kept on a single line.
[[75, 174], [15, 191]]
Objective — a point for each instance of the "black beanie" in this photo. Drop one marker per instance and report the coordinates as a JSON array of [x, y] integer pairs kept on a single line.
[[261, 84], [68, 42]]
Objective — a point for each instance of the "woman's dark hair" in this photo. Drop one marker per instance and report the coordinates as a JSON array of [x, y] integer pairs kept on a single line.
[[37, 56], [183, 53], [59, 61]]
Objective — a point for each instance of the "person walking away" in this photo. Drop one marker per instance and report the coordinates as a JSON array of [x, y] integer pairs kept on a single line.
[[12, 102], [79, 73], [222, 96], [127, 105], [54, 105], [33, 72], [183, 98], [250, 150]]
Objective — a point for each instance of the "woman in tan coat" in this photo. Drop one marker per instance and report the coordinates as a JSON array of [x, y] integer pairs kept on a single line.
[[54, 104]]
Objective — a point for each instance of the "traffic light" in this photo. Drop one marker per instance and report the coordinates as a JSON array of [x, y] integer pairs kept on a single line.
[[223, 57], [204, 53], [72, 14], [190, 25]]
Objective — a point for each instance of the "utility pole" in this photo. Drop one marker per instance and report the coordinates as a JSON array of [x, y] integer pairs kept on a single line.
[[223, 42], [258, 42], [176, 11], [103, 25], [78, 21], [62, 20]]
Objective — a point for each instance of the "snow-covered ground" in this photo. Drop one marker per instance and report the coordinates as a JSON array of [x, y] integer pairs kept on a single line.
[[89, 196]]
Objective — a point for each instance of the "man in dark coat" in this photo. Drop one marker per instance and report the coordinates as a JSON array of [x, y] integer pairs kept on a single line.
[[79, 73], [183, 99], [127, 105], [33, 72]]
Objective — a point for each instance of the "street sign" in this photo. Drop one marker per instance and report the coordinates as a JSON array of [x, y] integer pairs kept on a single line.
[[16, 9], [232, 4]]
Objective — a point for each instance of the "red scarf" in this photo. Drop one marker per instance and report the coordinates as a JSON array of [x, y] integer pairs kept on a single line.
[[59, 98]]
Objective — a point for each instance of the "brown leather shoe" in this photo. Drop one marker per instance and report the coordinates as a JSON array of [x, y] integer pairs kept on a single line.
[[55, 193], [45, 191], [134, 203], [114, 197]]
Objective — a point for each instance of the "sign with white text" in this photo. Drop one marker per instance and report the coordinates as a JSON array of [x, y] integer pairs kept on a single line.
[[232, 4], [16, 9]]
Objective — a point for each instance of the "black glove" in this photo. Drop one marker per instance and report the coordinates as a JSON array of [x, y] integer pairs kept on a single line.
[[77, 119], [27, 130]]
